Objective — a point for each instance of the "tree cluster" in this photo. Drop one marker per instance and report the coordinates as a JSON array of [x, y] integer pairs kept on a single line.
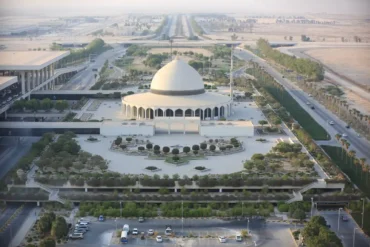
[[317, 234], [35, 105], [155, 60], [313, 70]]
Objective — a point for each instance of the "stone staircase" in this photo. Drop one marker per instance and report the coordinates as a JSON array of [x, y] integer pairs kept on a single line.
[[53, 193], [297, 195]]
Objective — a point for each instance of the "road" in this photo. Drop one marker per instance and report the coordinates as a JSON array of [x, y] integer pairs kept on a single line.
[[13, 149], [320, 114], [85, 79], [7, 235], [346, 229], [267, 235], [166, 29]]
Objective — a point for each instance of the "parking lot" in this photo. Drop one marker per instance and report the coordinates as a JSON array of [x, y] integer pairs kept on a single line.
[[199, 233]]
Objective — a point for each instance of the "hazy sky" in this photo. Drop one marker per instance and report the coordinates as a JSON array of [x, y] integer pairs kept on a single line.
[[70, 7]]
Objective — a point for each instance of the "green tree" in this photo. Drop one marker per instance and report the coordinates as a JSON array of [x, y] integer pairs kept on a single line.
[[149, 146], [46, 104], [48, 242], [59, 228], [299, 214], [212, 147], [195, 148], [61, 105], [258, 157], [118, 141], [262, 122], [175, 151], [166, 150], [203, 146], [33, 105], [186, 149]]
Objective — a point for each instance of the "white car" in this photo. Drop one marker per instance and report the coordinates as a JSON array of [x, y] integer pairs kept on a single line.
[[331, 123], [151, 232], [344, 135], [135, 231], [308, 103], [83, 223], [159, 239], [309, 95], [222, 239], [238, 238], [83, 220]]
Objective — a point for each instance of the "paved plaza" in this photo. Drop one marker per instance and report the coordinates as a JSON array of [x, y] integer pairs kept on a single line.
[[122, 163]]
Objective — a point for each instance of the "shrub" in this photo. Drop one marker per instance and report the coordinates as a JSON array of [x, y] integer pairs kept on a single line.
[[212, 147], [195, 147], [166, 150], [156, 147], [157, 152], [151, 168], [149, 146], [175, 151], [118, 141], [203, 146], [186, 149], [123, 146], [141, 148], [258, 157], [175, 158], [129, 139], [200, 168]]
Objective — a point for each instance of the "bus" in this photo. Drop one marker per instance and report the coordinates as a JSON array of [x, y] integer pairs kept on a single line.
[[124, 238]]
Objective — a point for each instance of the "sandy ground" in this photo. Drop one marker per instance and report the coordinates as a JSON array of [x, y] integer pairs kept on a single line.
[[277, 32], [353, 63], [195, 50]]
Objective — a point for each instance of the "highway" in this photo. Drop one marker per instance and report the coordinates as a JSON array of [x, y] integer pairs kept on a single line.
[[320, 113], [346, 229], [85, 79]]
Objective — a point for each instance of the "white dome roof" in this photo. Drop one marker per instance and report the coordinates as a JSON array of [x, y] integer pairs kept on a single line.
[[175, 77]]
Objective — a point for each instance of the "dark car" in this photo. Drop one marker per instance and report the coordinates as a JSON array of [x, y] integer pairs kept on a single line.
[[344, 218], [347, 126], [312, 107]]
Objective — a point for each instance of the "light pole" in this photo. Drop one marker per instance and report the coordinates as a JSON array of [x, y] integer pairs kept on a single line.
[[339, 217], [120, 204], [311, 206], [116, 223], [248, 226], [182, 217], [354, 235], [363, 212], [242, 209]]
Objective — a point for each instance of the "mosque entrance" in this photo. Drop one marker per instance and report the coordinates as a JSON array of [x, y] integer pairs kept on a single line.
[[168, 125]]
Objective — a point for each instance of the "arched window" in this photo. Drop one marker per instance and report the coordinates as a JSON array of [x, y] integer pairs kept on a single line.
[[222, 111], [216, 113], [159, 113], [207, 113], [188, 113], [179, 113], [169, 113]]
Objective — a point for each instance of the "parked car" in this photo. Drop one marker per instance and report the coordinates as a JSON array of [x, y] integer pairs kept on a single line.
[[312, 107], [81, 227], [344, 135], [308, 103], [76, 236], [159, 239], [83, 220], [79, 230], [347, 126], [141, 219], [238, 238], [135, 231], [150, 232], [101, 218], [222, 239], [345, 218]]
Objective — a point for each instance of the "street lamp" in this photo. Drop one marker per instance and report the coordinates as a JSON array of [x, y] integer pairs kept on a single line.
[[182, 218], [248, 226], [354, 235], [120, 208], [339, 217], [116, 223], [363, 212], [242, 209], [311, 206]]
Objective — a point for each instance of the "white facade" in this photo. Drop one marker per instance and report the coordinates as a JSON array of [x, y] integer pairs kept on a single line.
[[227, 129]]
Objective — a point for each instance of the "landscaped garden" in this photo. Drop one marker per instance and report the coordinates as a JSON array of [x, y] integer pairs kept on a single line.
[[177, 155]]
